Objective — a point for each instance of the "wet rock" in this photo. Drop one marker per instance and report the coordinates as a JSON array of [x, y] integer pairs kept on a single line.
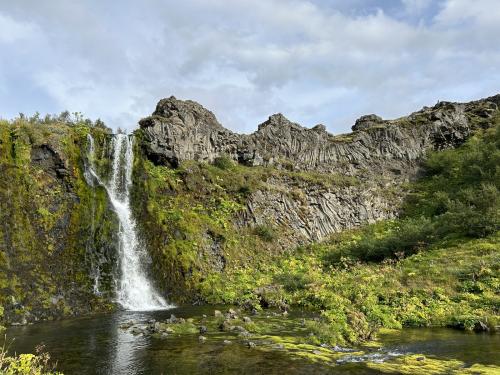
[[218, 313], [203, 329], [251, 344], [227, 342], [172, 319], [278, 346], [232, 314], [481, 327], [244, 334], [225, 326], [246, 319], [136, 331], [48, 159], [162, 328], [202, 339], [127, 325], [238, 329], [420, 358], [341, 349]]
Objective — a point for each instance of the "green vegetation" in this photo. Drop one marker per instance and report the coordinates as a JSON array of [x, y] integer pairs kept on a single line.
[[437, 265], [265, 232], [52, 223], [457, 198], [416, 364], [27, 364]]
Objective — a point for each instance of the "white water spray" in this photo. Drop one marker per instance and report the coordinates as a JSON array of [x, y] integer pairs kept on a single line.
[[134, 290], [90, 177]]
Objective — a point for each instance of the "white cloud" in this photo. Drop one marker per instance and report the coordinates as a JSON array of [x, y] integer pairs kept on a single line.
[[12, 31], [313, 60]]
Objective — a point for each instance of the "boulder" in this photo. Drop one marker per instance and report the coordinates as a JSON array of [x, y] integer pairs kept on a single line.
[[366, 122]]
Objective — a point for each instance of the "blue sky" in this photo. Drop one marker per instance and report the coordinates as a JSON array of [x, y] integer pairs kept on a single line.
[[316, 61]]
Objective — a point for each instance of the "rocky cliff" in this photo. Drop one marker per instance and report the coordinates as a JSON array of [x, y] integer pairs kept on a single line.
[[380, 154], [300, 185], [184, 130]]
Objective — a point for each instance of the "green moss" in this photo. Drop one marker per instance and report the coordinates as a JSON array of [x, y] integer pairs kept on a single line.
[[420, 364], [46, 239]]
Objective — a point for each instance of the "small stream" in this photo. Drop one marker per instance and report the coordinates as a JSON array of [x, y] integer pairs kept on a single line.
[[97, 345]]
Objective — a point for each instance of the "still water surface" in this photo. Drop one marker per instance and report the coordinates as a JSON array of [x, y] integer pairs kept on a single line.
[[97, 345]]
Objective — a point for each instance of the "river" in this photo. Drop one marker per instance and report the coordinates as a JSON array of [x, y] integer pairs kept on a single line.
[[97, 345]]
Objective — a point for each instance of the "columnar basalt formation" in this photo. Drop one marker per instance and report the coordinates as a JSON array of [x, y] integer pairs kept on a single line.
[[381, 155], [184, 130]]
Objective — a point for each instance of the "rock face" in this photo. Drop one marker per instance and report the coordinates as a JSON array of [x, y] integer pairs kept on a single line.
[[380, 155], [366, 122], [184, 130], [313, 213]]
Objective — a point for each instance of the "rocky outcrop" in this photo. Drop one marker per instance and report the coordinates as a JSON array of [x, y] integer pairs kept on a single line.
[[367, 121], [381, 155], [184, 130], [312, 213]]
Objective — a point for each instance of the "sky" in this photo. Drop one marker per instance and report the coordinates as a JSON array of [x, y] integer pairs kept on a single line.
[[315, 61]]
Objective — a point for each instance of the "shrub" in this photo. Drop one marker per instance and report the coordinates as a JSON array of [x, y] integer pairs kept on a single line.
[[265, 232], [223, 162], [458, 197], [27, 364]]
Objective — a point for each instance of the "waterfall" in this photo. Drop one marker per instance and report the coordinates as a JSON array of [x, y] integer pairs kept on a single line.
[[90, 177], [134, 290]]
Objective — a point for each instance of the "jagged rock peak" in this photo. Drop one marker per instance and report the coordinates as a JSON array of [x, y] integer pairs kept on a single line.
[[278, 120], [367, 121], [185, 112], [184, 130]]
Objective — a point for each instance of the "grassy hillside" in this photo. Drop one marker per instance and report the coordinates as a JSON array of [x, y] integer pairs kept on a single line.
[[435, 265]]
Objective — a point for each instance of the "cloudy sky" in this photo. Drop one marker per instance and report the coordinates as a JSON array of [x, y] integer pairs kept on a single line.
[[316, 61]]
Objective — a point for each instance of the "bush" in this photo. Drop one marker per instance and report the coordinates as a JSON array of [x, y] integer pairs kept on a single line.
[[224, 162], [390, 239], [265, 232], [27, 364]]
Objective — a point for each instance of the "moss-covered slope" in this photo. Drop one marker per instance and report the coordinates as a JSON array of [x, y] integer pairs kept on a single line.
[[56, 231]]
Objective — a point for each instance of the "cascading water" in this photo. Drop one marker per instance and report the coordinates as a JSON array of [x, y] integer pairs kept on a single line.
[[90, 177], [134, 290]]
